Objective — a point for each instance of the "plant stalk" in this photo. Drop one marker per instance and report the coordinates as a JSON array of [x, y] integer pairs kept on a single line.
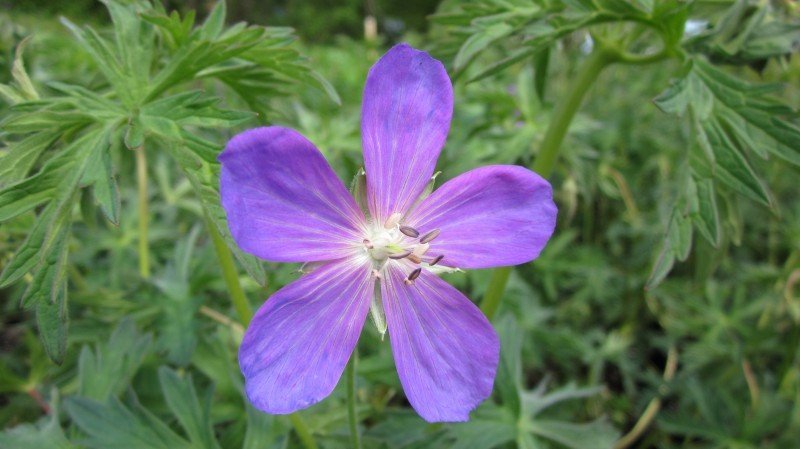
[[352, 414], [229, 274], [144, 213], [548, 152]]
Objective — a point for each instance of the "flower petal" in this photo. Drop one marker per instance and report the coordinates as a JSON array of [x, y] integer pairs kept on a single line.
[[283, 201], [491, 216], [297, 345], [444, 347], [405, 118]]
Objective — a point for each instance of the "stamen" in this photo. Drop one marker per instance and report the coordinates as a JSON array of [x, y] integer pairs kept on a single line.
[[402, 255], [409, 231], [436, 260], [429, 236], [392, 221], [412, 276], [368, 244], [421, 249], [414, 258], [376, 274]]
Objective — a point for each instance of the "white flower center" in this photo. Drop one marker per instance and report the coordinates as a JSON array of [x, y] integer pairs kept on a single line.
[[393, 240]]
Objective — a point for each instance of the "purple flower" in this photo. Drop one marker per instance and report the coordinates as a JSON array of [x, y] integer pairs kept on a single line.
[[284, 203]]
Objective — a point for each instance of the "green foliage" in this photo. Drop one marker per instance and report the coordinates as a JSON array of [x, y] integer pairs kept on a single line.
[[74, 132], [730, 117]]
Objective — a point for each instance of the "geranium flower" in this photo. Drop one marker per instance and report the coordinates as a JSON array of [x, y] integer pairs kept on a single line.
[[284, 203]]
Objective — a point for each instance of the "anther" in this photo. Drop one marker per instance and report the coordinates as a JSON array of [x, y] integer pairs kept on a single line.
[[402, 255], [436, 260], [392, 221], [414, 258], [429, 236], [409, 231], [412, 276], [376, 274], [367, 243]]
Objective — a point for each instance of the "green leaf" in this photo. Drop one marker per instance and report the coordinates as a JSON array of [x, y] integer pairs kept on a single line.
[[108, 370], [689, 91], [44, 234], [215, 22], [24, 84], [263, 431], [489, 427], [706, 216], [20, 157], [132, 429], [478, 41], [680, 234], [25, 195], [662, 266], [134, 134], [47, 280], [100, 176], [513, 58], [732, 168], [105, 60], [751, 115], [509, 371], [51, 319], [193, 416], [537, 401], [598, 434]]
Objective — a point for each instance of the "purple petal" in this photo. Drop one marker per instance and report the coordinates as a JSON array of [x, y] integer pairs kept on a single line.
[[405, 118], [444, 347], [491, 216], [283, 201], [297, 345]]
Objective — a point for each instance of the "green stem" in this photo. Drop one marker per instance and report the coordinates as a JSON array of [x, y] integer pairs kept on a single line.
[[352, 414], [491, 300], [548, 152], [302, 431], [566, 110], [229, 274], [245, 312], [144, 214]]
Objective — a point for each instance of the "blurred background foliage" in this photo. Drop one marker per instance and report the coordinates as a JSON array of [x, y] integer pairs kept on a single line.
[[663, 313]]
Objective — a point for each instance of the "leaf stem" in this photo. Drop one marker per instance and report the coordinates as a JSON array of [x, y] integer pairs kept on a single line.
[[652, 409], [144, 213], [548, 152], [352, 414], [229, 274]]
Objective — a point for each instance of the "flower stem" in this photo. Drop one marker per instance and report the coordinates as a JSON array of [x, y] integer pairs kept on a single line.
[[566, 110], [548, 152], [144, 214], [352, 414], [497, 283], [229, 274]]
